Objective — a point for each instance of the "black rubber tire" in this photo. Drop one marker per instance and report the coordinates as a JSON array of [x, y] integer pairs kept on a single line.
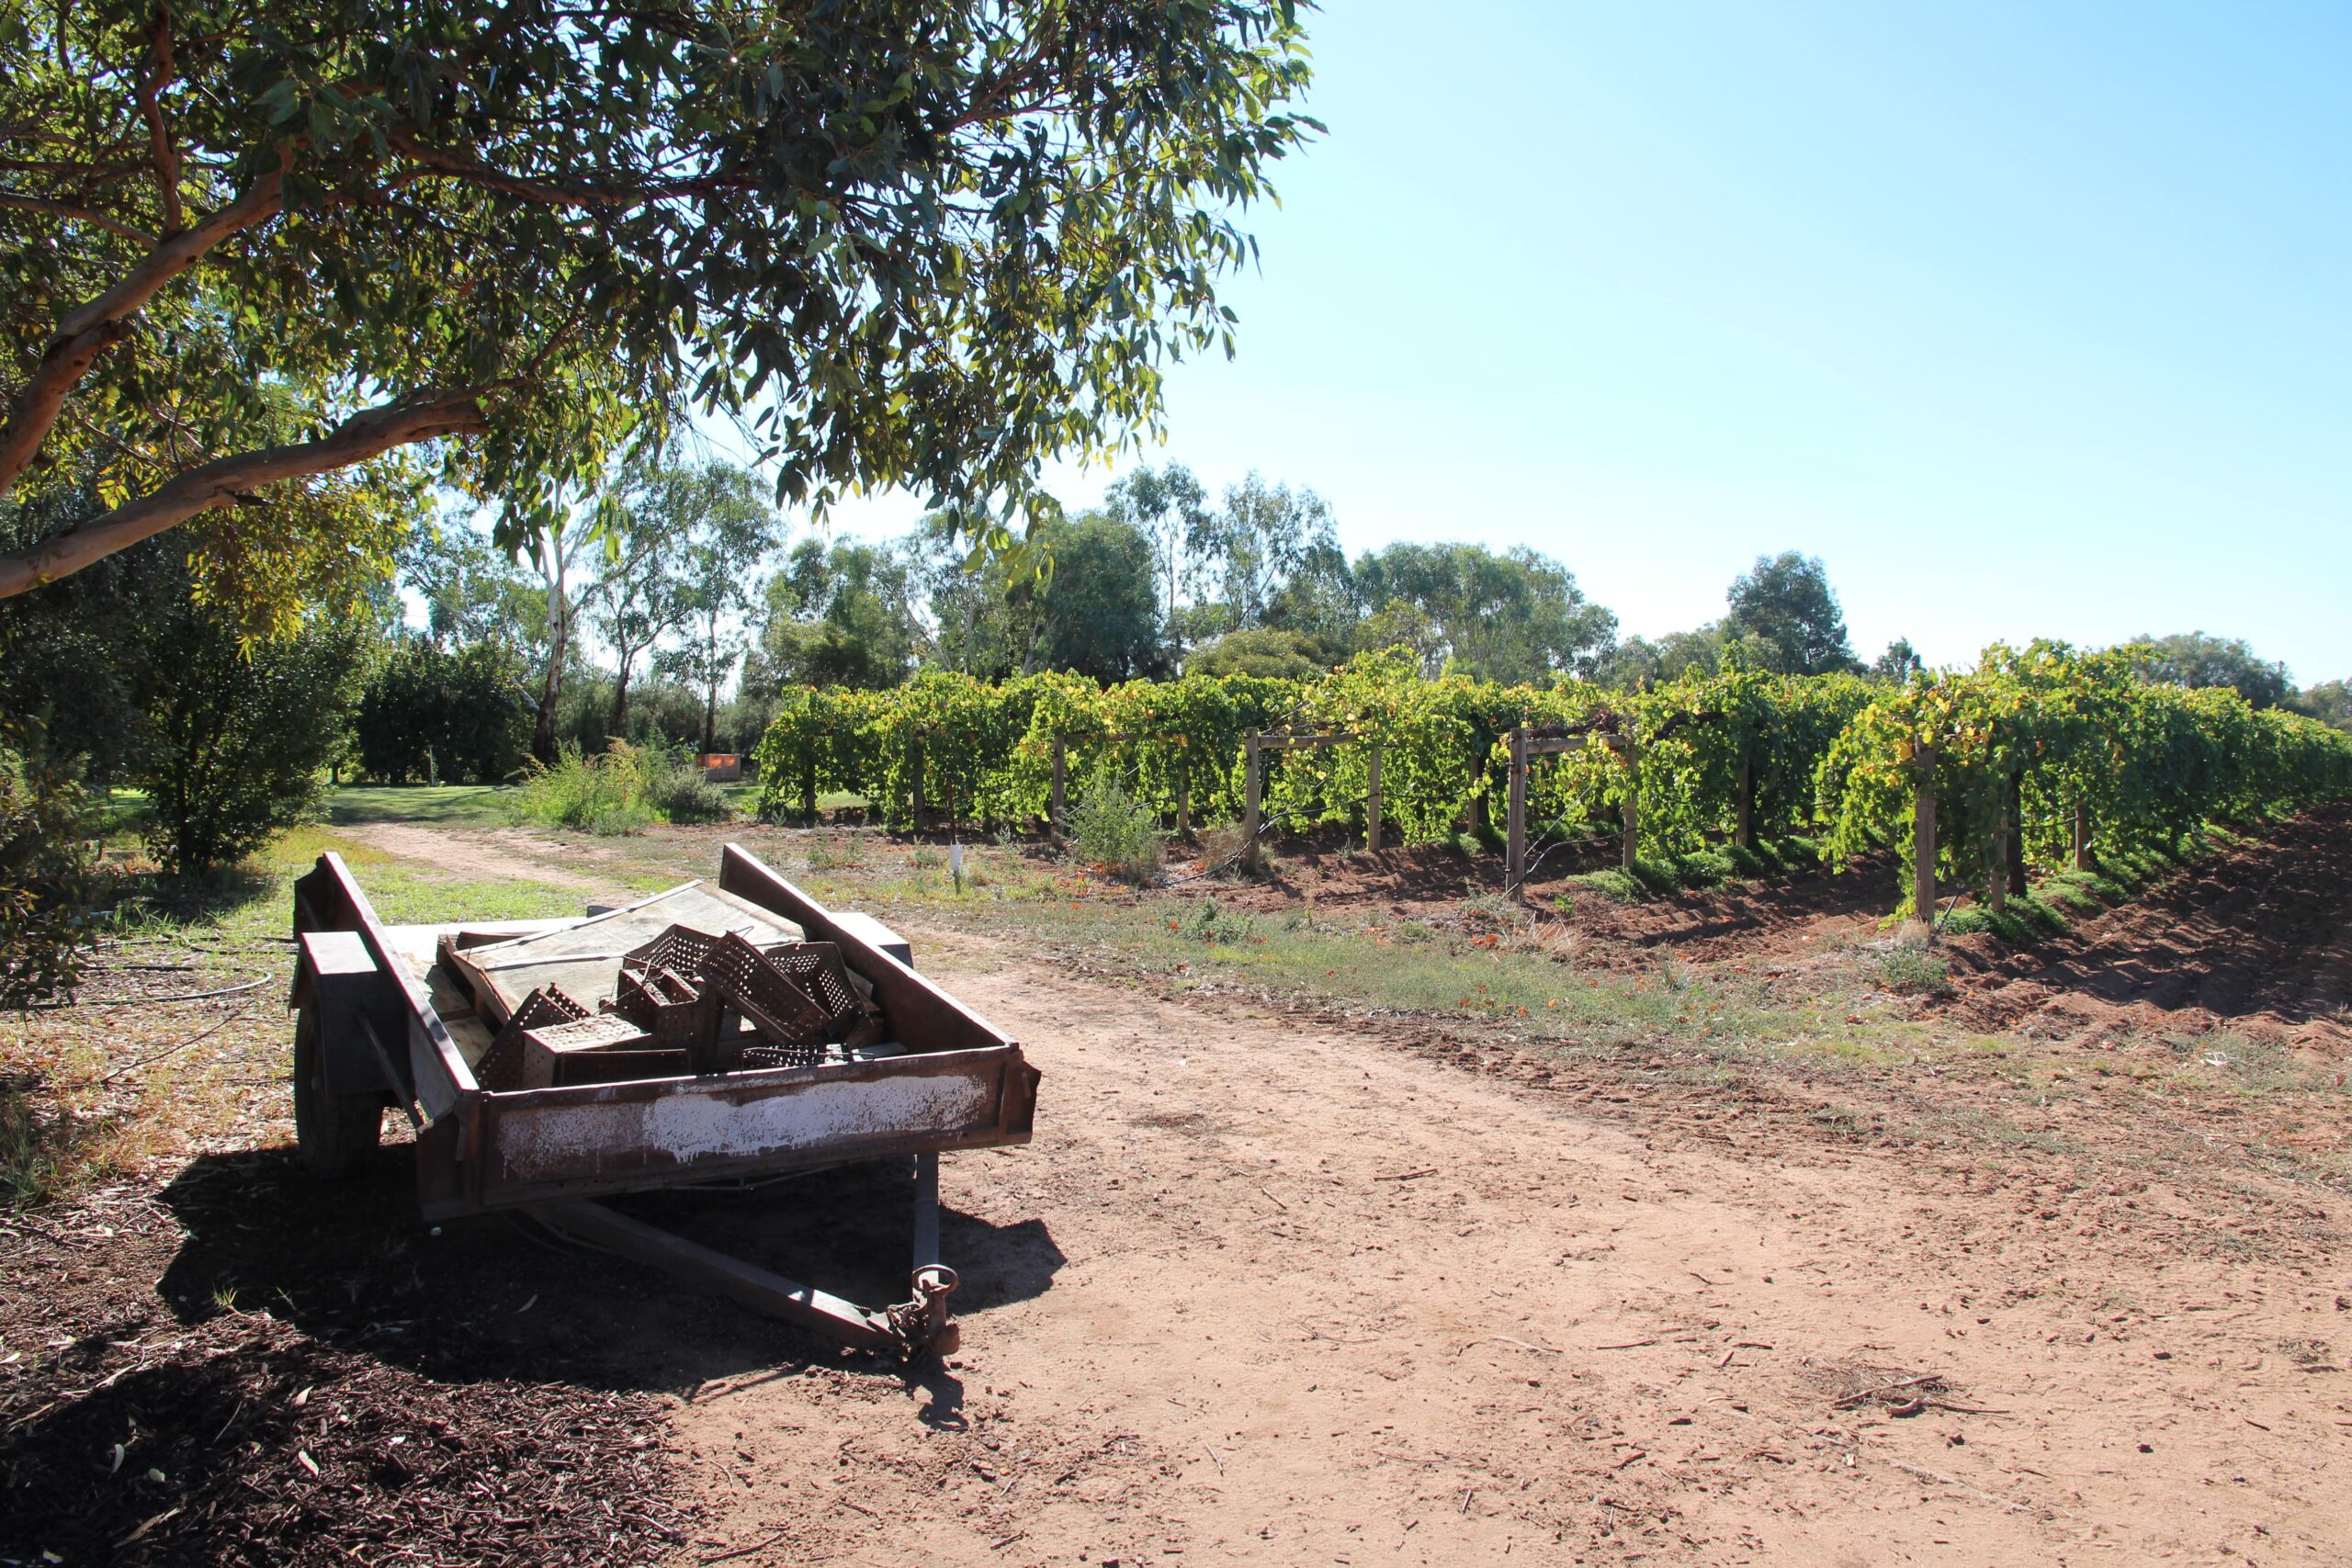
[[334, 1132]]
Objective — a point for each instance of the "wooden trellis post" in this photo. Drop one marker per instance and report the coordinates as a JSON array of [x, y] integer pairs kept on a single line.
[[1250, 800], [1524, 749], [1515, 835], [2082, 836], [1183, 796], [1256, 744], [1054, 802], [1371, 800], [1743, 832], [1923, 841], [1630, 754], [914, 745]]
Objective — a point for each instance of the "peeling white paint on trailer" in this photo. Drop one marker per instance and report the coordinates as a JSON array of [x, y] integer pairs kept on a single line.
[[549, 1144]]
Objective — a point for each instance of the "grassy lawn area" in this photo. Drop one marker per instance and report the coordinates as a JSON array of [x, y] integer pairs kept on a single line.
[[483, 806], [468, 805]]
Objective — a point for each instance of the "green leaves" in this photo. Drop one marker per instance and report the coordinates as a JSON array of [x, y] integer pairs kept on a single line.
[[906, 243]]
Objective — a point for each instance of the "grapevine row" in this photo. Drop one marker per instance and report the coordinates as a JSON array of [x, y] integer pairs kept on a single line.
[[2014, 752]]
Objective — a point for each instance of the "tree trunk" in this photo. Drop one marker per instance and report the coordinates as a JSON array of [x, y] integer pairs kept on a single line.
[[543, 738], [617, 719], [710, 688]]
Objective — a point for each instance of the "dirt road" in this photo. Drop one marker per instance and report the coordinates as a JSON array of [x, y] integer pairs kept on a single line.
[[1267, 1292]]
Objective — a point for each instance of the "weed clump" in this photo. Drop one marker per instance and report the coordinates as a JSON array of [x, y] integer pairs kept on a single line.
[[679, 791], [621, 790], [1109, 829], [1909, 971], [1221, 845], [1616, 886], [1208, 923], [605, 794]]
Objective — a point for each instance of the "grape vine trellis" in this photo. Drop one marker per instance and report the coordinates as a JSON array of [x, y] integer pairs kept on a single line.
[[2024, 753]]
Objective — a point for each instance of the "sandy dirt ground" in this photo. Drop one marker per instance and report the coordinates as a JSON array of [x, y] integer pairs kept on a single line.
[[1269, 1291]]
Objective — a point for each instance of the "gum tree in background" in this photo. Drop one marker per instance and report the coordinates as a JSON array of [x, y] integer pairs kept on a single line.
[[903, 242], [733, 531], [1786, 601], [674, 536]]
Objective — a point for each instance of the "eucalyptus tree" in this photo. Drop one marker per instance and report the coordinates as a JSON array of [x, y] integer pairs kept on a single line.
[[1244, 553], [1786, 600], [925, 242], [731, 531], [1171, 509]]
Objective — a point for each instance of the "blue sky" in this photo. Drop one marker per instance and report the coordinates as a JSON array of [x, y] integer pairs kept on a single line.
[[2027, 319]]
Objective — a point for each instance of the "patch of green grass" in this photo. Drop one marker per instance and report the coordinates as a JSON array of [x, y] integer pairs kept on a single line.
[[470, 805], [1612, 885]]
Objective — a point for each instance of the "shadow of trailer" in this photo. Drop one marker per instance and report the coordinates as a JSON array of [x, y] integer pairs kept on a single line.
[[400, 1017]]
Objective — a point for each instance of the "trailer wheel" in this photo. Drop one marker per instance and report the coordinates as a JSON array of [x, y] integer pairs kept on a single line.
[[334, 1130]]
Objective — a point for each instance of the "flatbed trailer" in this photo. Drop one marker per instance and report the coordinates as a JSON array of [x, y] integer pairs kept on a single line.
[[400, 1017]]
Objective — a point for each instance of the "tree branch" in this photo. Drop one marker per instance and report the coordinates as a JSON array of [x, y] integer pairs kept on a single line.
[[159, 128], [572, 192], [78, 213], [226, 481], [104, 321]]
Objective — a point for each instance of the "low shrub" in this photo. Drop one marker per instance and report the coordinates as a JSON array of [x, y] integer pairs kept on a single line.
[[679, 791], [1110, 829], [48, 875], [604, 794]]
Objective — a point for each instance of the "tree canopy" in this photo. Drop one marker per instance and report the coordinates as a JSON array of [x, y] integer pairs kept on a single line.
[[1786, 601], [902, 243], [2196, 659]]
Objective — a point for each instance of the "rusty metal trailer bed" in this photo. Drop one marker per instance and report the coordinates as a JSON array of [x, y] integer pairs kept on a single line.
[[400, 1017]]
